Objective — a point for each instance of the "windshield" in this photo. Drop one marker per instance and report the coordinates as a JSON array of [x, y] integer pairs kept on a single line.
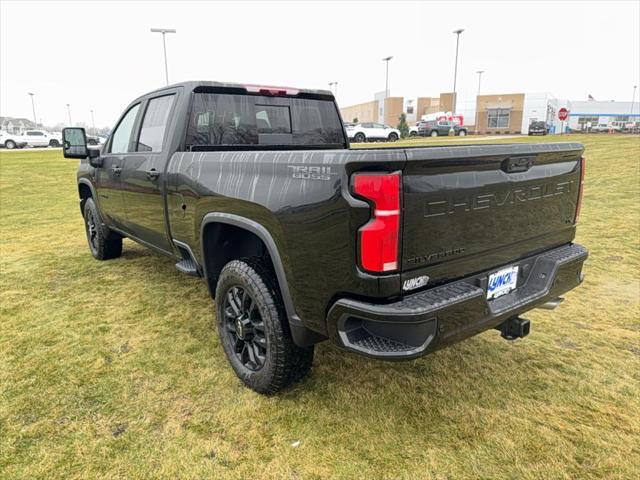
[[254, 121]]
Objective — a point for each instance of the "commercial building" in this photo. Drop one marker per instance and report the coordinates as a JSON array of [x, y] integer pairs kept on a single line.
[[495, 114], [593, 112], [388, 110]]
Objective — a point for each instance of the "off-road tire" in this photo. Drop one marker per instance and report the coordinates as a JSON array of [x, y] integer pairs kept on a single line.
[[284, 362], [103, 244]]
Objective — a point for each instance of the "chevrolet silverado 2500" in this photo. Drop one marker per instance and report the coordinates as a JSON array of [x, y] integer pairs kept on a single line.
[[390, 253]]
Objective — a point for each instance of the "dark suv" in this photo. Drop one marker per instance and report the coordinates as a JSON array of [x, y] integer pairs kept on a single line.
[[434, 128], [538, 128]]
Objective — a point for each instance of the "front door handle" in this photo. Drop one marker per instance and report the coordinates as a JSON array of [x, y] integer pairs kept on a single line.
[[153, 174], [116, 170]]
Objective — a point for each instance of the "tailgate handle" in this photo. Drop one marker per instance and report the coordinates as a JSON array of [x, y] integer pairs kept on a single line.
[[517, 164]]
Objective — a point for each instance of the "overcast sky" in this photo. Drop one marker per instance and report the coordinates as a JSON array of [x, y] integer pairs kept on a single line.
[[101, 55]]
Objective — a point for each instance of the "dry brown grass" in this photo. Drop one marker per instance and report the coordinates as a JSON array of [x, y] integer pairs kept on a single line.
[[112, 370]]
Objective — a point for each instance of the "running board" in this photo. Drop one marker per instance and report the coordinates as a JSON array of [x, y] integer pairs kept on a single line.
[[188, 264], [188, 267]]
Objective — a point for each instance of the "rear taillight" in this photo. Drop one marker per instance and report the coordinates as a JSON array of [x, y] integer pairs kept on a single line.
[[583, 164], [379, 239]]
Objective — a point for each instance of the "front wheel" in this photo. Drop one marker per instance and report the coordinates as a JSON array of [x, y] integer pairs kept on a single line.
[[54, 143], [434, 133], [104, 245], [462, 133], [393, 137], [254, 329], [10, 144]]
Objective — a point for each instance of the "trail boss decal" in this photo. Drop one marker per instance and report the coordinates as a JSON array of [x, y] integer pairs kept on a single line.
[[305, 172]]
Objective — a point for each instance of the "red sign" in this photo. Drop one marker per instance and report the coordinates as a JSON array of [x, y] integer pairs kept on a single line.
[[563, 114]]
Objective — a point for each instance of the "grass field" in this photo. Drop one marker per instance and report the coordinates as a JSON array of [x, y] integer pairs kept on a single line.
[[112, 369]]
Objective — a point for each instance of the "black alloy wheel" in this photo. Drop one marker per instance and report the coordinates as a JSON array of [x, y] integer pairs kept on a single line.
[[244, 328]]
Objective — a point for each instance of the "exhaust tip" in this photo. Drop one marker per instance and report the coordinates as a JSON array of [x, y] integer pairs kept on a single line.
[[552, 304]]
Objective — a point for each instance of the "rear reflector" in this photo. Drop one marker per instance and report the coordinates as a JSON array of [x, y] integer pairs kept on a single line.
[[583, 164], [379, 238]]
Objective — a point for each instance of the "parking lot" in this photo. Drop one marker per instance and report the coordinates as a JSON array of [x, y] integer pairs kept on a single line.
[[141, 388]]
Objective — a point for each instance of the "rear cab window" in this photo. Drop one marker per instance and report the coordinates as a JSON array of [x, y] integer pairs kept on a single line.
[[219, 120]]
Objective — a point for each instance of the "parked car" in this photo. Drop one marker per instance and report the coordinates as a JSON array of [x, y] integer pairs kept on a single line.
[[538, 128], [605, 127], [415, 129], [435, 128], [364, 132], [301, 239], [41, 138], [11, 141]]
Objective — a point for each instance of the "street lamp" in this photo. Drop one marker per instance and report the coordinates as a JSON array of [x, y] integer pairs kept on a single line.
[[69, 114], [164, 31], [479, 72], [633, 99], [336, 84], [386, 88], [455, 71], [331, 84], [93, 123], [33, 107]]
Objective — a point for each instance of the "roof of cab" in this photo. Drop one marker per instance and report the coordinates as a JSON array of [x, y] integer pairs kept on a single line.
[[193, 84]]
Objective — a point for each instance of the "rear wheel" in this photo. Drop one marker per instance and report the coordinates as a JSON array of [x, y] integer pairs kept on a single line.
[[92, 141], [10, 144], [360, 137], [413, 134], [54, 143], [462, 133], [103, 243], [392, 137], [254, 329], [434, 133]]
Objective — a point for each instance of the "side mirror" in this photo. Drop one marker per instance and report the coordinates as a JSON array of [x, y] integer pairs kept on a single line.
[[74, 143]]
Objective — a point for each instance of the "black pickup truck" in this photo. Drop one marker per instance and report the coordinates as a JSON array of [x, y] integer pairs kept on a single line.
[[390, 253]]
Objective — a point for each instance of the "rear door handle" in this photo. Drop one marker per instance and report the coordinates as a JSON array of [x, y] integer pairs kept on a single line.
[[116, 170], [153, 174]]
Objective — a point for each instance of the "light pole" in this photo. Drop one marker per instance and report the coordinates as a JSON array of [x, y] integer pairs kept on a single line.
[[633, 99], [336, 94], [33, 107], [455, 70], [164, 31], [479, 72], [93, 123], [386, 88], [69, 114], [331, 84]]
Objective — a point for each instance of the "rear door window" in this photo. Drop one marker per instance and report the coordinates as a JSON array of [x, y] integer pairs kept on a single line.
[[154, 124], [221, 119]]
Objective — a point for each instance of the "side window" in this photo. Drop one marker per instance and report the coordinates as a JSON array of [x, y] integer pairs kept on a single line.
[[154, 124], [122, 134]]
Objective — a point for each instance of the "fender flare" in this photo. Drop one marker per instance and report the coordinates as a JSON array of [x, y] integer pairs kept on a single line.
[[262, 233], [94, 195]]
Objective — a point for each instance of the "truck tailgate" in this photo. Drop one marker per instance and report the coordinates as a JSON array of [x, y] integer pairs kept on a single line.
[[472, 208]]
